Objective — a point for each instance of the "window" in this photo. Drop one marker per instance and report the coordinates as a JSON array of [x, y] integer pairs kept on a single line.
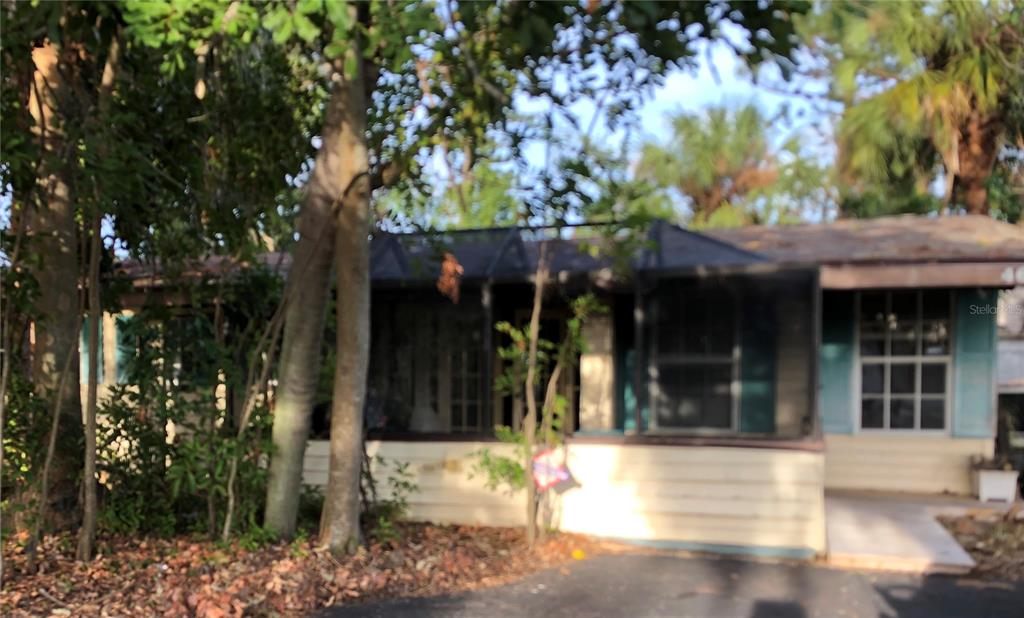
[[461, 367], [694, 362], [904, 348], [83, 352], [427, 368], [128, 343], [512, 407]]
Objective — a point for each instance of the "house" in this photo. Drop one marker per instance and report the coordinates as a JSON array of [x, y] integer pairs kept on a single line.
[[1010, 378], [906, 400], [734, 377]]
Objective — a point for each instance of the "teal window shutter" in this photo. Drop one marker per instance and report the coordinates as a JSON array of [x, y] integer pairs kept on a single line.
[[974, 364], [757, 375], [628, 397], [83, 353], [837, 360], [125, 347]]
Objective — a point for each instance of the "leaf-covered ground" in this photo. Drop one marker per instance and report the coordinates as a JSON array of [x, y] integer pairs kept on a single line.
[[194, 577], [997, 545]]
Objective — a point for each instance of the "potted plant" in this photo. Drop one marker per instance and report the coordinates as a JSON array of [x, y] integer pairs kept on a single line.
[[996, 477]]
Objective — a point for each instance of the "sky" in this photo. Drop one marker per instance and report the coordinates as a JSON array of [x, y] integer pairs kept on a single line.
[[719, 78], [726, 80]]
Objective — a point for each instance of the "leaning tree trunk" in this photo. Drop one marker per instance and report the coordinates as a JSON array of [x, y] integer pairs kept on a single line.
[[53, 234], [308, 286], [530, 420], [339, 522], [87, 533], [979, 147]]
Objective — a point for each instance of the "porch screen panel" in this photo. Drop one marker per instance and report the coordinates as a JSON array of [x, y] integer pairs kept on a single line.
[[757, 367], [427, 371], [692, 361]]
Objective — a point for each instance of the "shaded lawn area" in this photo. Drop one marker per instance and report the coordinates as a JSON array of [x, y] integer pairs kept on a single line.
[[189, 576]]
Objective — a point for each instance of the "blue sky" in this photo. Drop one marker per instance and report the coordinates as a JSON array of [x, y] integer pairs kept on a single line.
[[729, 84], [718, 78]]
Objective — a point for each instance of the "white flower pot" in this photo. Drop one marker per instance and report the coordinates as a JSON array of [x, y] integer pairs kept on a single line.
[[997, 485]]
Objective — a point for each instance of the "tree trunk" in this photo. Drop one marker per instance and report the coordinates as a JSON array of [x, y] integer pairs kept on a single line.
[[979, 147], [87, 533], [308, 286], [53, 232], [339, 523], [544, 505], [530, 420]]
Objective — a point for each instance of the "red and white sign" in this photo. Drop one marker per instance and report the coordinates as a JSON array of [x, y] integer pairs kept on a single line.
[[549, 469]]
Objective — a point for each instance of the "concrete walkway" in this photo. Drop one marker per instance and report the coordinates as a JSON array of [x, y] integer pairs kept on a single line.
[[895, 532], [638, 585]]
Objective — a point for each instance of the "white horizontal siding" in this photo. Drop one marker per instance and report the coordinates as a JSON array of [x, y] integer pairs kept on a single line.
[[705, 495], [760, 498], [442, 472], [909, 463]]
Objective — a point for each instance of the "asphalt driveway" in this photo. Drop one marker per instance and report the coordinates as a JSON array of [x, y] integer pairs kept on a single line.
[[663, 585]]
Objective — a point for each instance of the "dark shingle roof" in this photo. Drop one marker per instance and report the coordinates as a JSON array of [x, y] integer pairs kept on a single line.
[[513, 253], [673, 248], [905, 238]]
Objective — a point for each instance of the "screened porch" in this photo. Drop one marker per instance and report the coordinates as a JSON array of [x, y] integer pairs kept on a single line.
[[732, 354], [724, 355], [698, 338]]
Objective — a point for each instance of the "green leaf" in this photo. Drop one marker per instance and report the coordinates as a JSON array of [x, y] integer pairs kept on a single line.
[[350, 66], [335, 49], [273, 19], [337, 14], [309, 7], [283, 33], [305, 28]]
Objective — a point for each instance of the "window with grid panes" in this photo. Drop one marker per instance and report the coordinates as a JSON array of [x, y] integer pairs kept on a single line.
[[695, 367], [466, 378], [905, 359]]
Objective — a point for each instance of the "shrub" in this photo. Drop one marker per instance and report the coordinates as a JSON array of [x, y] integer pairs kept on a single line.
[[381, 512]]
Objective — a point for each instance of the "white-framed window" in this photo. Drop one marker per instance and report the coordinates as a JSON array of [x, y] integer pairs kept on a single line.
[[905, 367]]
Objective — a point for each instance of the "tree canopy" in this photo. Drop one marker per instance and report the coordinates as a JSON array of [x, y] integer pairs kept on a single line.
[[931, 94], [724, 165]]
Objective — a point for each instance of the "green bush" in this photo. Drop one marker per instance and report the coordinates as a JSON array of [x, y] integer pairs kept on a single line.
[[26, 428], [380, 514], [166, 441]]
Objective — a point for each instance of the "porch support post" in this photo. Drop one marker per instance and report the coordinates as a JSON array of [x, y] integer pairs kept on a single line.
[[487, 403], [814, 372], [639, 362]]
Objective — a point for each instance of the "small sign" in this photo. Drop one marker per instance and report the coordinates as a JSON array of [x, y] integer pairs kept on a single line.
[[549, 469]]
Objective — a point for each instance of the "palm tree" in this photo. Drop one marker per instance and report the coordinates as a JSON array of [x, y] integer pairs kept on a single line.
[[723, 163], [944, 75]]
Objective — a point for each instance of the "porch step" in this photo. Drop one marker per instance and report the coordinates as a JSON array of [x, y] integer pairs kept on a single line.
[[924, 566], [890, 535]]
